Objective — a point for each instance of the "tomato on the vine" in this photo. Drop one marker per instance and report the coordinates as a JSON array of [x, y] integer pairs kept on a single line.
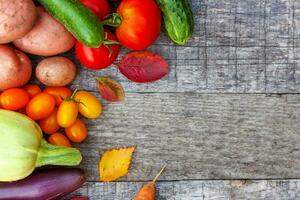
[[59, 139], [77, 132], [100, 7], [101, 57], [40, 106], [14, 99], [67, 113], [140, 23], [89, 105]]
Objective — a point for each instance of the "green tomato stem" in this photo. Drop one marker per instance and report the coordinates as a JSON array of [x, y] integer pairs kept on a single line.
[[57, 155], [113, 20]]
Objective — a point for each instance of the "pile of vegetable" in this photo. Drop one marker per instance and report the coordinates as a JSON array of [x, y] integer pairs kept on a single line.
[[39, 122]]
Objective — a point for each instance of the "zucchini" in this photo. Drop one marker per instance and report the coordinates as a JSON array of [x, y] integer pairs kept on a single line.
[[178, 19], [78, 19]]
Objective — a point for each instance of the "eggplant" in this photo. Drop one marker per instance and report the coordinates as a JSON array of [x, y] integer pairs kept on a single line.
[[45, 184]]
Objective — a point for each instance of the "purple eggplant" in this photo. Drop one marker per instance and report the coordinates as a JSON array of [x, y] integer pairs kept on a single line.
[[46, 184]]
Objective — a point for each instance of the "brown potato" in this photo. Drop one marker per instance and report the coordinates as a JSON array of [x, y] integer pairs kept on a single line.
[[56, 71], [15, 68], [16, 19], [47, 38]]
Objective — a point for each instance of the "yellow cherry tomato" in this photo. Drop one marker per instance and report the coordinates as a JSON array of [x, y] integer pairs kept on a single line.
[[67, 113], [89, 105], [59, 140]]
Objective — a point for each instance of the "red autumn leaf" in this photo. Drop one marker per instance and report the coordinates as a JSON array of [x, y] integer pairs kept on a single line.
[[110, 89], [143, 67]]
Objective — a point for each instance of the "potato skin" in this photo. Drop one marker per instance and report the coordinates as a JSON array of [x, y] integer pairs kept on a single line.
[[47, 38], [15, 68], [16, 19], [56, 71]]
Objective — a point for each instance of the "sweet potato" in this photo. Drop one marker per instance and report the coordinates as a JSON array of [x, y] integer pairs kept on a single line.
[[47, 38], [56, 71], [16, 19], [15, 68]]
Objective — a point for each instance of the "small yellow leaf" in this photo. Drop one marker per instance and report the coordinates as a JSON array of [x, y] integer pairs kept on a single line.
[[115, 163]]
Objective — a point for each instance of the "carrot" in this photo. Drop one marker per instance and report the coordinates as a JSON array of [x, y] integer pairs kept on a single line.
[[148, 191]]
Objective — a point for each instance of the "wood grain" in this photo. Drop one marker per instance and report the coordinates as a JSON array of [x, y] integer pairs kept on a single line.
[[249, 46], [200, 136], [198, 190], [212, 117]]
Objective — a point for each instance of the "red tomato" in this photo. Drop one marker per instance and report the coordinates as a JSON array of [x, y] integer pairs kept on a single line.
[[40, 106], [60, 93], [140, 26], [32, 89], [14, 99], [100, 7], [98, 58]]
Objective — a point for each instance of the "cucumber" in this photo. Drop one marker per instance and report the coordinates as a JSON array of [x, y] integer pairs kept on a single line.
[[79, 20], [178, 19]]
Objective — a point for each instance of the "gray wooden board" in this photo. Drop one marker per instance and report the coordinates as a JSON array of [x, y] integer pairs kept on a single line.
[[198, 190], [239, 46], [210, 118], [200, 136]]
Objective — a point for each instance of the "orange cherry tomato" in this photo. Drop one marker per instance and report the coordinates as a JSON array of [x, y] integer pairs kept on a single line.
[[40, 106], [60, 93], [77, 132], [59, 140], [32, 89], [49, 125], [67, 113], [14, 99]]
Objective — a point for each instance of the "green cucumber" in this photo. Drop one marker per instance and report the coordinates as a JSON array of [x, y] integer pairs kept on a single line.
[[178, 19], [79, 20]]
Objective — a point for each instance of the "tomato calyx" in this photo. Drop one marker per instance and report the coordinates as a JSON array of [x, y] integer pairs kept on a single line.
[[72, 97], [113, 20], [107, 42]]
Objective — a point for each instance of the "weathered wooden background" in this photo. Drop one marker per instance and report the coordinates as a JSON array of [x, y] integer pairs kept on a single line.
[[229, 110]]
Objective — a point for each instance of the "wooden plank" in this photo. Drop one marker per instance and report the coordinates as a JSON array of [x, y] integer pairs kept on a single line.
[[200, 136], [247, 46], [198, 190]]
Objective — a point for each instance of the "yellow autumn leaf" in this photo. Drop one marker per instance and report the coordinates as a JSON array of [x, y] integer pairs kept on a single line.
[[115, 163]]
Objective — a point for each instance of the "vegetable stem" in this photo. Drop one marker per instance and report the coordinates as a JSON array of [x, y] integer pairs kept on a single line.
[[159, 173], [113, 20], [57, 155]]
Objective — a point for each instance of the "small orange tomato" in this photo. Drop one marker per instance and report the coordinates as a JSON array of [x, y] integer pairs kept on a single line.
[[77, 132], [49, 125], [60, 93], [14, 99], [59, 140], [89, 106], [32, 89], [40, 106], [67, 113]]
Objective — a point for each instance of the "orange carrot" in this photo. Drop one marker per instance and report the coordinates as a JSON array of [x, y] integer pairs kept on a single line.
[[148, 191]]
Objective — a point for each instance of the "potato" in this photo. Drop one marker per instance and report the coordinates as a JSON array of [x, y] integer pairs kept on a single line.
[[56, 71], [15, 68], [47, 38], [16, 19]]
